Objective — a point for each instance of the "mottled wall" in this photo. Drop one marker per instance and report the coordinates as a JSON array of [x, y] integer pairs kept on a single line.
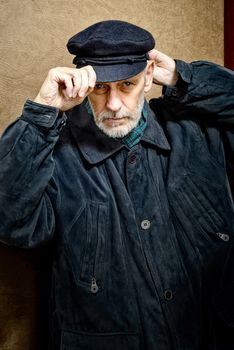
[[33, 36]]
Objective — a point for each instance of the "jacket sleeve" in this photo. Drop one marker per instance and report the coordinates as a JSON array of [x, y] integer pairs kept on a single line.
[[28, 188], [205, 92], [204, 88]]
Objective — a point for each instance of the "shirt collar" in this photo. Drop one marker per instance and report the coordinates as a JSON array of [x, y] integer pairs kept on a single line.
[[96, 146]]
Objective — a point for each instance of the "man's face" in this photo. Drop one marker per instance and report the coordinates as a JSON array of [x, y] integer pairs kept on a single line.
[[117, 106]]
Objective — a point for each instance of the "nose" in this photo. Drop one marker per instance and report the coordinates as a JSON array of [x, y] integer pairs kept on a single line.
[[113, 102]]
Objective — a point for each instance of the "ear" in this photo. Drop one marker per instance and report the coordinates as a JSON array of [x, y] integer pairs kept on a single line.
[[149, 75]]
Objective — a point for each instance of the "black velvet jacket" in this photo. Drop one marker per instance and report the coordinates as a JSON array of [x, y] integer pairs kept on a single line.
[[143, 238]]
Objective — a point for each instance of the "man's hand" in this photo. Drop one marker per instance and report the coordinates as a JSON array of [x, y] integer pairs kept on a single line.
[[65, 87], [165, 68]]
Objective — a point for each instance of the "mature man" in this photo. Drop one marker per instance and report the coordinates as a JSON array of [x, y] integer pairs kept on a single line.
[[135, 196]]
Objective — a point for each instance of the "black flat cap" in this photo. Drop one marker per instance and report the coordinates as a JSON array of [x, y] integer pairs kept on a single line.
[[116, 50]]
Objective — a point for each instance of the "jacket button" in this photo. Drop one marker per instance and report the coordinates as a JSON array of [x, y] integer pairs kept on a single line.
[[168, 295], [145, 224], [132, 158], [174, 93]]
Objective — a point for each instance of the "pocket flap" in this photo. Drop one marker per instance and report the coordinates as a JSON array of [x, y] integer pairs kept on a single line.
[[99, 341]]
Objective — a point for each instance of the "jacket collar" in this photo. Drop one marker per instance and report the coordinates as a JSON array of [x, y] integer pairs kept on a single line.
[[96, 146]]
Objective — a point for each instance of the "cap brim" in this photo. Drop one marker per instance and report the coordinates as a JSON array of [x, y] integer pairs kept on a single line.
[[117, 72]]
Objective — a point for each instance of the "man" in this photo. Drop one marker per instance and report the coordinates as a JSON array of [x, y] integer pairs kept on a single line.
[[135, 196]]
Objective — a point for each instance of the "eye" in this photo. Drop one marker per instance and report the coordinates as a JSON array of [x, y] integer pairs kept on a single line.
[[100, 88], [126, 83], [127, 86]]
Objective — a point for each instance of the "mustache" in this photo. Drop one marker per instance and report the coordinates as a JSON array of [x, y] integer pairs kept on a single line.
[[114, 115]]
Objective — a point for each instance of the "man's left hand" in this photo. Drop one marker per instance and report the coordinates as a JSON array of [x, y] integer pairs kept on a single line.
[[165, 68]]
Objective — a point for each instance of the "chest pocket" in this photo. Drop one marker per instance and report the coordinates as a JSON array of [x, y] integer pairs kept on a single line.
[[86, 244]]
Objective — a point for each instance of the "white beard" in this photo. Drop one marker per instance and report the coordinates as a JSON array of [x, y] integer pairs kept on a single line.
[[118, 131]]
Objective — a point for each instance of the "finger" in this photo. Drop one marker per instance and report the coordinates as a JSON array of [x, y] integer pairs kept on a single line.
[[84, 82], [158, 56], [80, 84], [92, 76], [68, 86], [77, 80], [63, 80], [152, 54], [88, 81]]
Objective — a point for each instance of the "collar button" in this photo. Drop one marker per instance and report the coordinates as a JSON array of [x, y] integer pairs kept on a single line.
[[132, 158]]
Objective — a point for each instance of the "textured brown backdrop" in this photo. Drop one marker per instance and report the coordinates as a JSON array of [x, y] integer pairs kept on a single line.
[[33, 37]]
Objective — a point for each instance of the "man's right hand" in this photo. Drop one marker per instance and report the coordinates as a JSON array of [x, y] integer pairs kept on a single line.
[[65, 87]]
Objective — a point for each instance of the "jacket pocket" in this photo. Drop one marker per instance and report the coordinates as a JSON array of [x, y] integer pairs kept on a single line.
[[99, 341], [87, 244], [202, 210]]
